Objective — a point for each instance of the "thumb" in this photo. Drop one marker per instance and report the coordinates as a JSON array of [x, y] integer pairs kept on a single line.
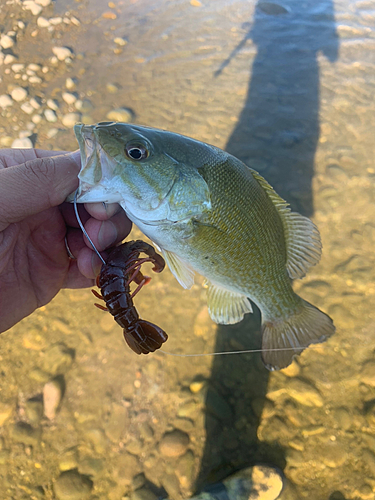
[[36, 185]]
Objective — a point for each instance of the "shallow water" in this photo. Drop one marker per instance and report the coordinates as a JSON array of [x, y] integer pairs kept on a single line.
[[288, 88]]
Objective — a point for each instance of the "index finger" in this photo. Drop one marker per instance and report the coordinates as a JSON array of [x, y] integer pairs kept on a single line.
[[11, 157], [102, 211]]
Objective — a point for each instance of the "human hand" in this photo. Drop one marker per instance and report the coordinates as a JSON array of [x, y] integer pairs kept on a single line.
[[34, 221]]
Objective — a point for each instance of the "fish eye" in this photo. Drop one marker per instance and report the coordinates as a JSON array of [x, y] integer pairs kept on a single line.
[[136, 152]]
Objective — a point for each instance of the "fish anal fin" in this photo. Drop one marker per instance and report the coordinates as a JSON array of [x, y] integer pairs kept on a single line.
[[226, 307], [282, 340], [183, 273], [302, 238]]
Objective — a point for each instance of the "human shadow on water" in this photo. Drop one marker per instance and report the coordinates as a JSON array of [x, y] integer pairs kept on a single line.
[[277, 134], [234, 403], [278, 128]]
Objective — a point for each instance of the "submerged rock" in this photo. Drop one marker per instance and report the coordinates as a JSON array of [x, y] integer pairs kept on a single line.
[[23, 143], [334, 454], [62, 53], [71, 485], [58, 359], [52, 104], [143, 494], [5, 101], [259, 483], [304, 393], [174, 444], [69, 98], [368, 373], [34, 410], [124, 115], [70, 119], [98, 440], [52, 396], [120, 41], [84, 106], [6, 411], [27, 108], [112, 88], [6, 41], [70, 83], [216, 404], [117, 423], [33, 7], [42, 22], [24, 433], [267, 481], [19, 94]]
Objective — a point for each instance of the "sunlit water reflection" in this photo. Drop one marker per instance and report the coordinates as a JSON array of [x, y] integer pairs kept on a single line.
[[288, 88]]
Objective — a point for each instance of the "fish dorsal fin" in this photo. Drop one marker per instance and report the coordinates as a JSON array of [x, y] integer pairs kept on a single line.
[[226, 307], [302, 237], [183, 273]]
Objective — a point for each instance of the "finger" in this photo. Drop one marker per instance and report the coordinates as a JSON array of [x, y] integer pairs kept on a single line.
[[97, 210], [88, 263], [102, 211], [75, 278], [11, 157], [107, 233], [69, 215], [75, 242], [36, 185]]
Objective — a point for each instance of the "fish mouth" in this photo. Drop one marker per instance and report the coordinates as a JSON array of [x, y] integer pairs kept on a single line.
[[96, 168]]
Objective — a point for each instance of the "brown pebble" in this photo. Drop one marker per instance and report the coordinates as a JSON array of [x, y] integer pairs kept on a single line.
[[109, 15], [174, 443]]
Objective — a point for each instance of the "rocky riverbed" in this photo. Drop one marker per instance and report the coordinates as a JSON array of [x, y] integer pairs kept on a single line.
[[288, 88]]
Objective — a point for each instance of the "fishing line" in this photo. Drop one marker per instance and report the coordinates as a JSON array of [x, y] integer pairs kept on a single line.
[[222, 353], [83, 229]]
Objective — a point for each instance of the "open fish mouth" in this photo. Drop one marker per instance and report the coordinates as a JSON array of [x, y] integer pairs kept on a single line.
[[96, 173]]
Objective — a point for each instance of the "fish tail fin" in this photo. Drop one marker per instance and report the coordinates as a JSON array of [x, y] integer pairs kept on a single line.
[[282, 339]]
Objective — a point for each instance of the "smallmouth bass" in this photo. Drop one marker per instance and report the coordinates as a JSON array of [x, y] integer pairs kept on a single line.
[[211, 214]]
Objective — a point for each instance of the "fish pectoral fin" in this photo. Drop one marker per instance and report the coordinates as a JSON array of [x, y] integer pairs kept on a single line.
[[283, 339], [226, 307], [302, 238], [183, 273]]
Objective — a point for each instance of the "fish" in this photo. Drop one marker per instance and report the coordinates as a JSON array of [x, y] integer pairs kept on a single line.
[[210, 214]]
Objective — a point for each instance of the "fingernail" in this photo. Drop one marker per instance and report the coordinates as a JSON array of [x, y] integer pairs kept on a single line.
[[111, 209], [107, 234]]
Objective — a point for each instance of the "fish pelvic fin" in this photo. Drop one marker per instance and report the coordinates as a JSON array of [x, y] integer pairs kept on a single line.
[[302, 238], [225, 307], [183, 273], [308, 325]]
